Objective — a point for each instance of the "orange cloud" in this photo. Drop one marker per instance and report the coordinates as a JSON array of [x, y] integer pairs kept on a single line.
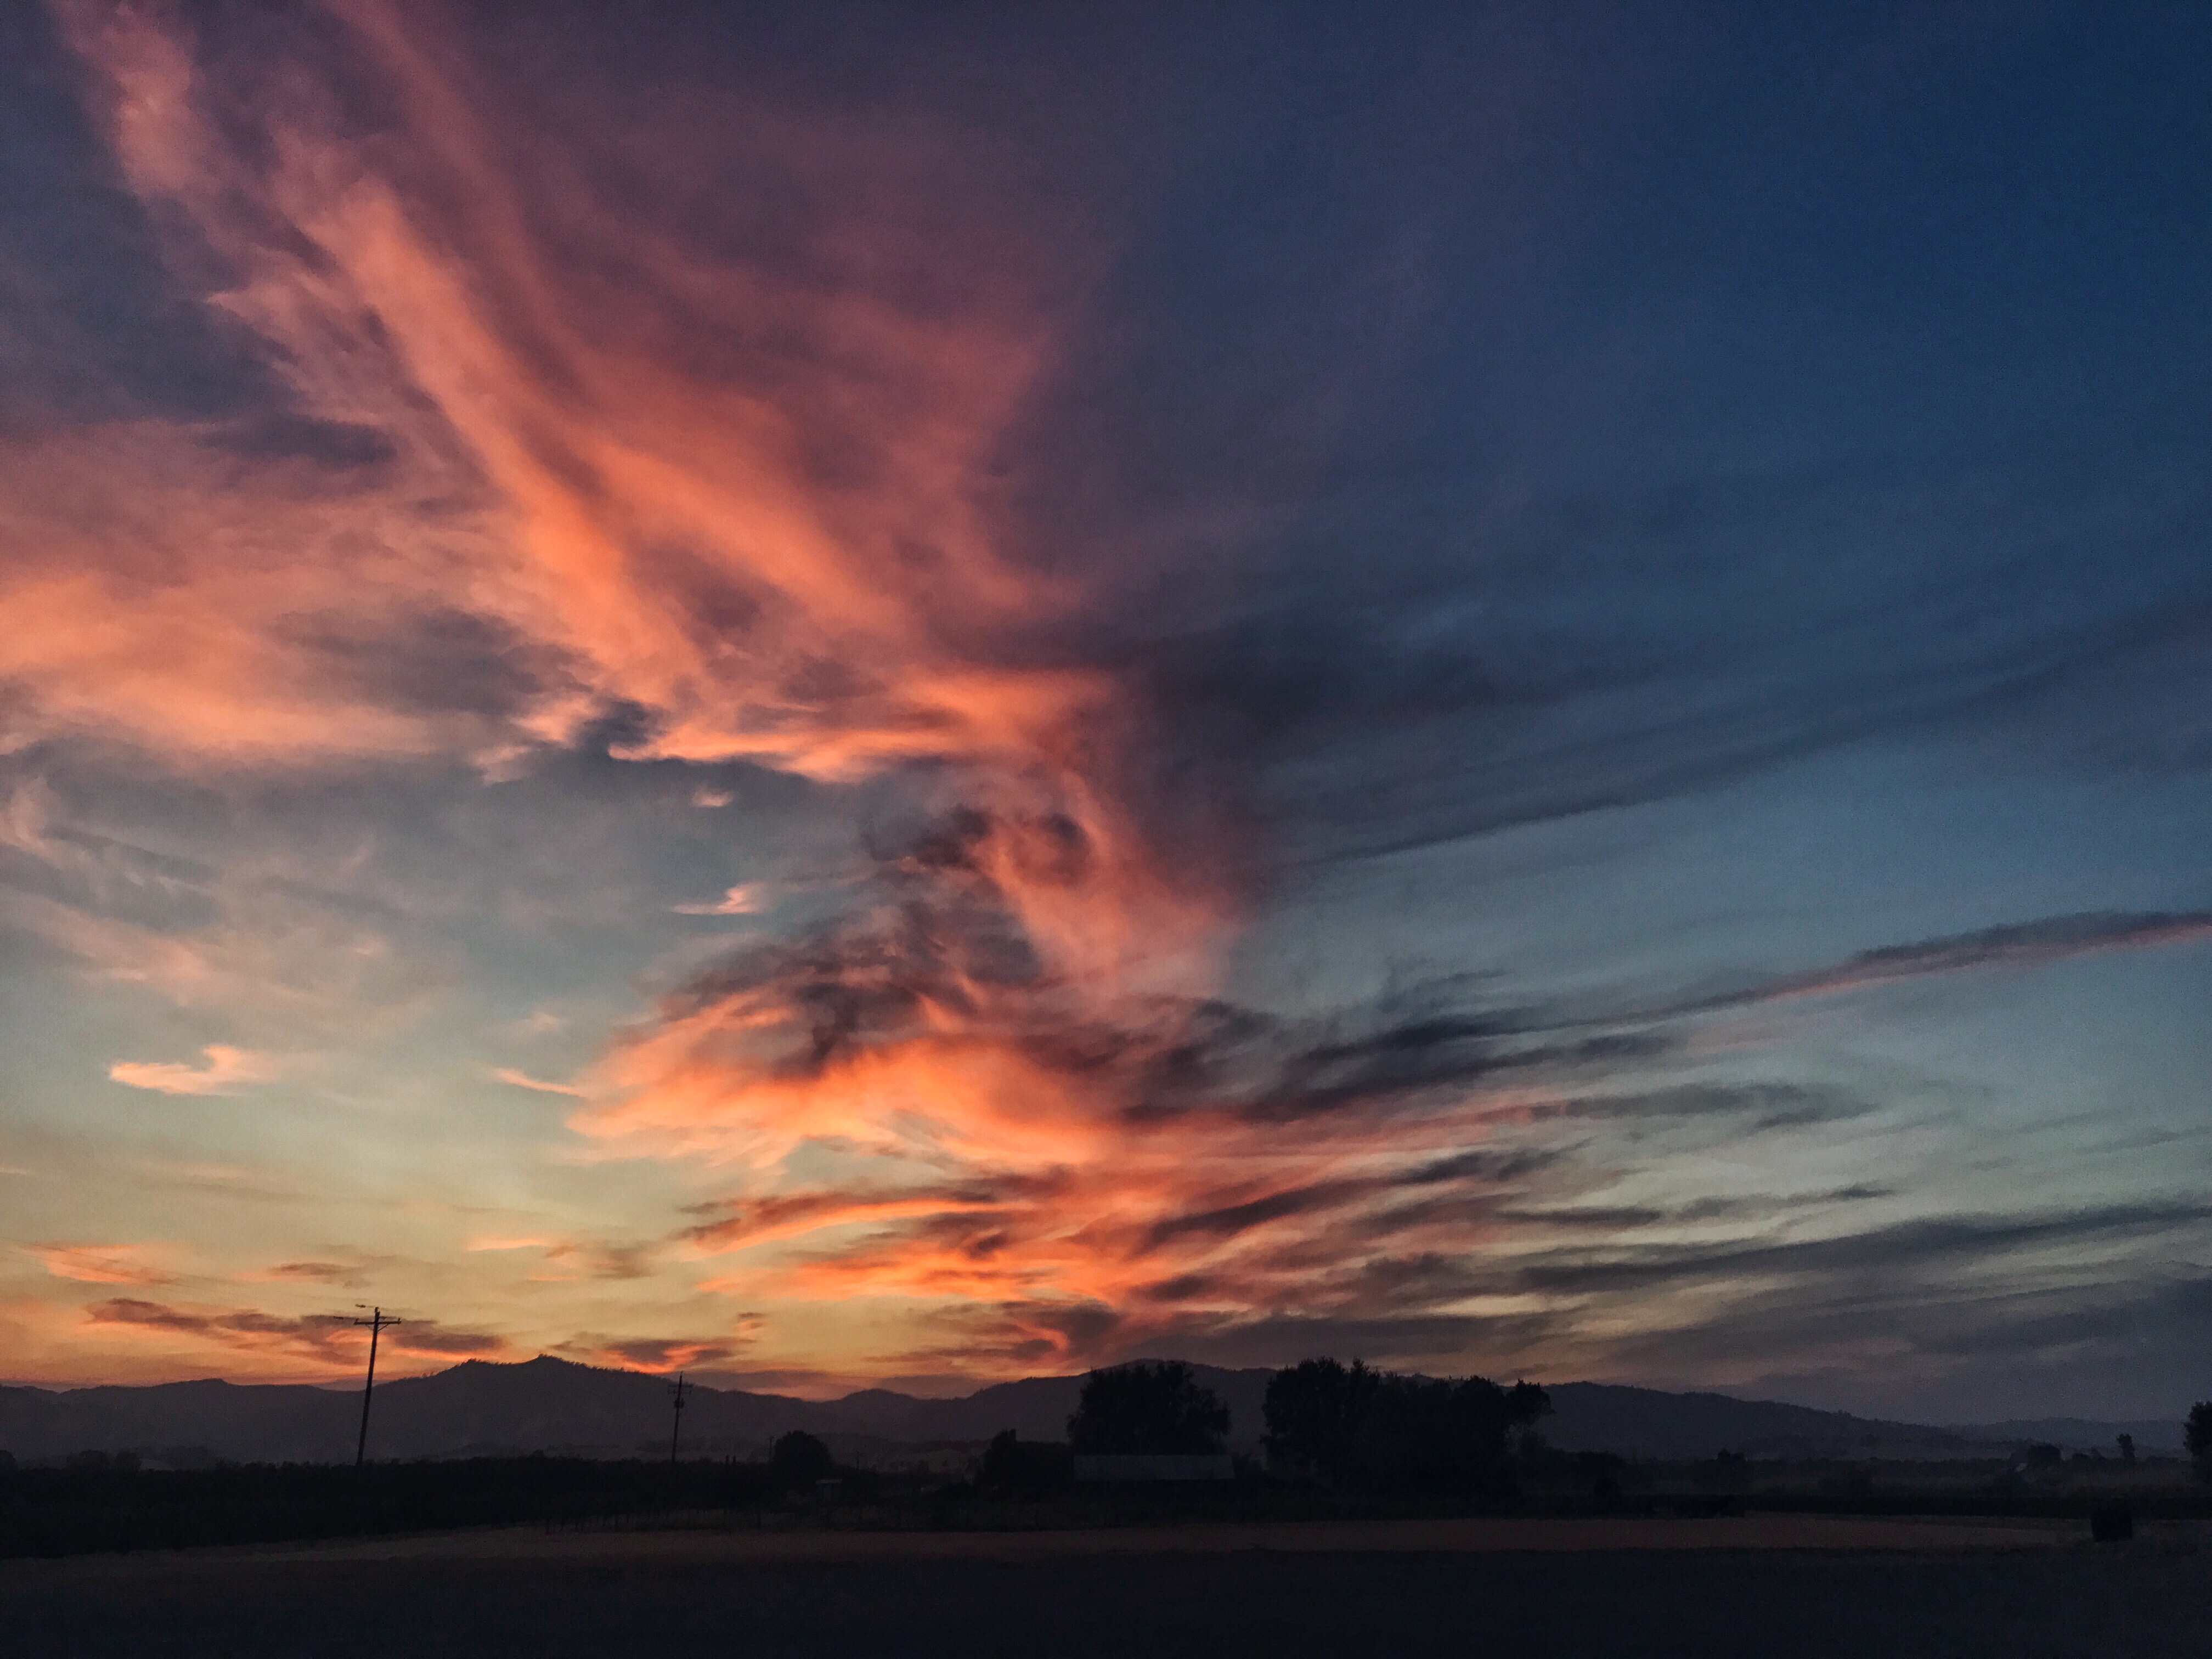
[[107, 1264], [656, 1354]]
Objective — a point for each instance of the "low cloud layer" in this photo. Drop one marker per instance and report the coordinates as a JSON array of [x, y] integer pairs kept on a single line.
[[325, 1339]]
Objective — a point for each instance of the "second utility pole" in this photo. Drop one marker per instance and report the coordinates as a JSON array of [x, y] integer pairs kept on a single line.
[[376, 1322], [683, 1398]]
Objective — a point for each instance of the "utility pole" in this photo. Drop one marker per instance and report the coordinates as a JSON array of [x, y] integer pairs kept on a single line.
[[683, 1393], [376, 1322]]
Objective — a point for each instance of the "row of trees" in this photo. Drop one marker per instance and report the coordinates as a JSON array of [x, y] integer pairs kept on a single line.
[[1351, 1426], [1327, 1422]]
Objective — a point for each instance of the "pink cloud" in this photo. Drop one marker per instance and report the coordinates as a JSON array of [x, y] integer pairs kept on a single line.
[[509, 1075], [107, 1264], [226, 1068]]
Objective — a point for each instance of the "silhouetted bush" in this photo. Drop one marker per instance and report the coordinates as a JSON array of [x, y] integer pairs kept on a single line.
[[2196, 1438], [1149, 1407], [2111, 1525], [1014, 1467], [1727, 1471], [799, 1460]]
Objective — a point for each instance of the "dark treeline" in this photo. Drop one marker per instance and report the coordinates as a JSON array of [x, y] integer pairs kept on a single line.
[[1340, 1440], [1346, 1425], [86, 1505]]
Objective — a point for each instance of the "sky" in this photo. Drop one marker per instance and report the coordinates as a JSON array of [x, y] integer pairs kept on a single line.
[[876, 694]]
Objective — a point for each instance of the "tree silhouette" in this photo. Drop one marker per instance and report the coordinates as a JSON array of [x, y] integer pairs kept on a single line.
[[1350, 1425], [2128, 1449], [799, 1460], [2196, 1438], [1002, 1459], [1315, 1412], [1149, 1406], [1013, 1466], [1444, 1434]]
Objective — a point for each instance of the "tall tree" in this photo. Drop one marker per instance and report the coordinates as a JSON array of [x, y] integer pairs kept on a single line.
[[2197, 1436], [1149, 1406], [798, 1459], [1315, 1412]]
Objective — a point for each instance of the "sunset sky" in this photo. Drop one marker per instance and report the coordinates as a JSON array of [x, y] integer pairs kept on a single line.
[[922, 694]]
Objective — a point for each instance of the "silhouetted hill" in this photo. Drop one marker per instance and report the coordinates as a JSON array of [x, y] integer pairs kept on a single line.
[[2153, 1434], [272, 1422], [554, 1405], [1653, 1422], [1035, 1407], [542, 1404]]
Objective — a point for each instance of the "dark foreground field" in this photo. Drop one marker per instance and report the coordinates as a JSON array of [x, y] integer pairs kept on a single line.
[[1612, 1588]]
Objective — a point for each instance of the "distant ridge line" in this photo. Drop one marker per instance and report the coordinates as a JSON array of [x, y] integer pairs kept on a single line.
[[554, 1405]]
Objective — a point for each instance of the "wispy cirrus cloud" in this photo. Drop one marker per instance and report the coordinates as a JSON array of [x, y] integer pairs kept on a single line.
[[569, 1259], [659, 1355], [746, 899], [308, 1272], [109, 1264], [2034, 944], [329, 1339], [518, 1079], [225, 1070]]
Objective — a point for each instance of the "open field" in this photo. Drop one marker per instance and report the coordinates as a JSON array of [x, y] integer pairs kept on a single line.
[[1761, 1584], [1456, 1536]]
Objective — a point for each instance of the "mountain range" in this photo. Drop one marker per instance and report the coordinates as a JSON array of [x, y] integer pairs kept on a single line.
[[556, 1406]]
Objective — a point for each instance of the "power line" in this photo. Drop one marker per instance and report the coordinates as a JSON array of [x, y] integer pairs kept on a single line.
[[376, 1322]]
